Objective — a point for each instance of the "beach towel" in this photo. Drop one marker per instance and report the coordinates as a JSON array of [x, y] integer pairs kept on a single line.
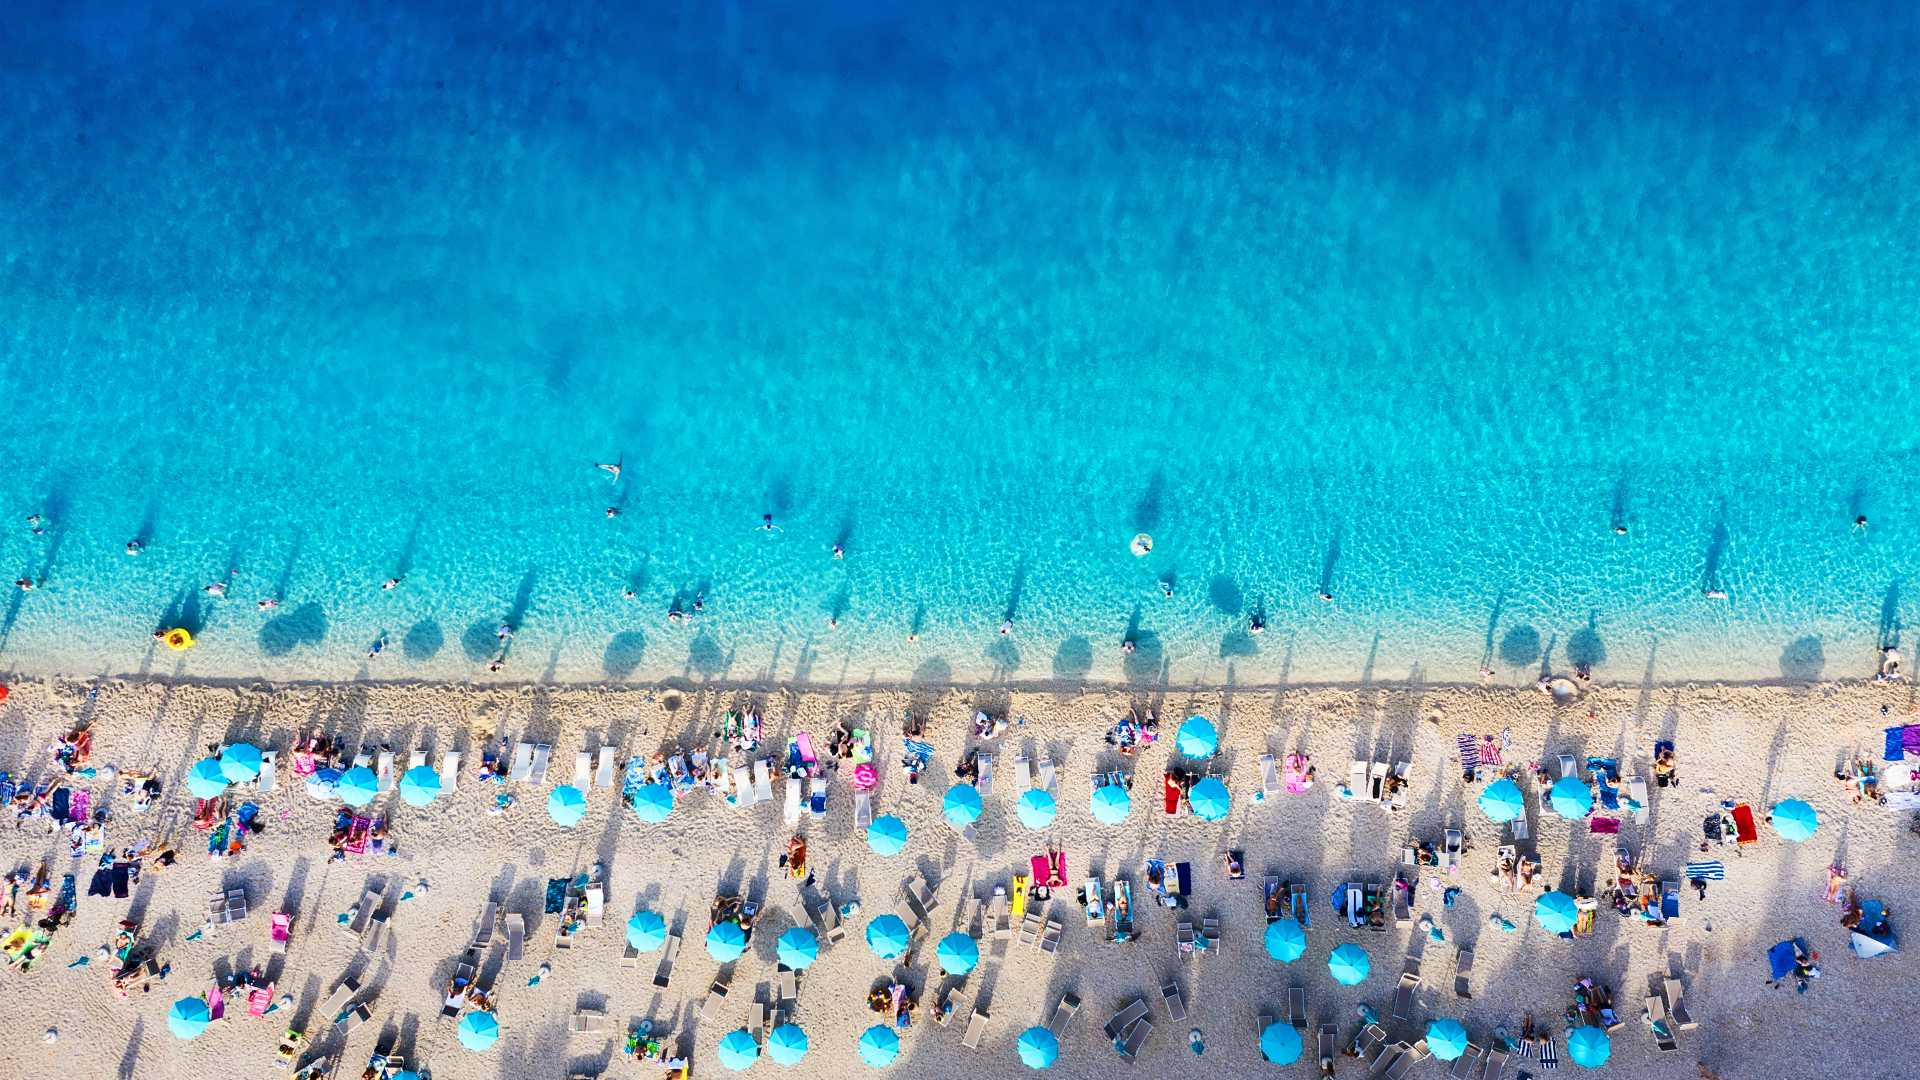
[[1490, 752], [805, 742], [123, 878], [1609, 797], [1608, 767], [1469, 753], [1896, 743], [1606, 825], [101, 884], [923, 751], [82, 802], [1782, 958], [1707, 870], [556, 899], [1548, 1058], [1910, 739], [61, 800]]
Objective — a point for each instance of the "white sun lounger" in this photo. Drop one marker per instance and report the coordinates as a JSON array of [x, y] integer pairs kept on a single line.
[[522, 761], [985, 785], [1269, 776], [762, 782], [1176, 1003], [1377, 781], [1400, 771], [364, 758], [582, 770], [1297, 1008], [862, 809], [1022, 771], [1462, 968], [541, 754], [1063, 1015], [1357, 780], [1637, 791], [515, 927], [416, 759], [450, 770], [976, 1026], [269, 775], [603, 776], [1046, 771], [386, 770], [1568, 768], [793, 800], [1518, 827]]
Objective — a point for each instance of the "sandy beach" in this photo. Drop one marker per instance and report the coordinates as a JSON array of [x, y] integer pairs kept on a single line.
[[1754, 744]]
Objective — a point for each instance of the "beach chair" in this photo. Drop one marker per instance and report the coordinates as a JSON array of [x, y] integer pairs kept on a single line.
[[792, 810], [1518, 827], [1175, 1002], [450, 770], [1210, 929], [603, 775], [1400, 771], [385, 771], [279, 933], [1124, 1020], [862, 809], [1402, 902], [416, 759], [757, 1021], [1657, 1014], [1462, 968], [1637, 791], [762, 782], [542, 753], [582, 770], [363, 758], [1297, 895], [483, 930], [522, 762], [985, 783], [1403, 999], [1063, 1014], [1408, 1060], [1325, 1043], [817, 795], [594, 905], [1468, 1066], [976, 1026], [353, 1018], [669, 952], [1050, 937], [1368, 1043], [997, 913], [515, 928], [1357, 779], [1297, 1008], [1676, 1004], [1496, 1063], [269, 772], [715, 1000], [1568, 768], [1376, 781], [585, 1021], [1183, 939], [1452, 847], [1022, 771], [1269, 776], [1136, 1039], [377, 927], [335, 1006], [1045, 766]]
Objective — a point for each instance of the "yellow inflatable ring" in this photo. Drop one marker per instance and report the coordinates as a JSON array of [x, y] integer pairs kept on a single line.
[[179, 640]]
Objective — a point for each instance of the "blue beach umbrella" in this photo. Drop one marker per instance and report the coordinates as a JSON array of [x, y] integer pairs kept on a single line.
[[240, 762], [961, 806], [358, 786], [652, 803], [479, 1030], [1210, 799], [419, 786], [879, 1046], [1197, 739], [1111, 803], [188, 1018], [1794, 820], [887, 835], [566, 805], [738, 1050], [1570, 798], [1556, 912], [1502, 801], [324, 784], [1286, 940], [206, 780], [646, 931], [726, 941], [887, 936], [1446, 1038], [1589, 1047], [957, 953], [797, 948], [1349, 965], [1036, 808], [786, 1045], [1038, 1048], [1280, 1043]]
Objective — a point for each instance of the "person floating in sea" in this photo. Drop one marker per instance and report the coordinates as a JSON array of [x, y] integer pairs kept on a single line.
[[504, 631], [612, 471], [1326, 594], [267, 604], [1166, 586], [379, 645], [38, 524], [839, 550], [1256, 624], [1860, 523], [1619, 528], [390, 584], [216, 588], [135, 547], [24, 584], [1006, 626], [1714, 594], [628, 593], [767, 525], [613, 511]]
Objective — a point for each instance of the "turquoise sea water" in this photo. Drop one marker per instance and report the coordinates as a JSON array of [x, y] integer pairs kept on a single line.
[[1404, 302]]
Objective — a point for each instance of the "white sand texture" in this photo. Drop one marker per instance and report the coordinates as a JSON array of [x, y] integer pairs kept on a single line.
[[1752, 745]]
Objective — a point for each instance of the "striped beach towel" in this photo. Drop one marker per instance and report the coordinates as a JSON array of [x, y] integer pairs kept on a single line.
[[1489, 753], [1469, 753], [1548, 1059], [1712, 870]]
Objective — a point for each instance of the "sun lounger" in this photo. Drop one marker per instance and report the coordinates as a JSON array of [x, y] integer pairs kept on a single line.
[[716, 1000], [1183, 938], [483, 930], [449, 770], [1637, 791], [1297, 1008], [515, 927], [1376, 781], [269, 772], [1404, 1065], [862, 809], [1496, 1063], [817, 795], [337, 1001], [522, 761], [1297, 895], [1046, 771], [582, 770], [1677, 1006], [792, 810], [376, 936], [1176, 1004], [757, 1021], [1403, 999], [1124, 1020], [1468, 1065], [663, 974], [762, 782], [1452, 847], [1022, 771], [1050, 937], [603, 775], [353, 1018], [542, 753], [385, 771], [1568, 768], [1402, 903], [1670, 901], [1136, 1039], [279, 933], [1210, 929], [1658, 1018], [1325, 1042], [1357, 780], [1400, 771], [1463, 967], [1062, 1015], [976, 1026], [587, 1021], [788, 985], [1269, 776], [1368, 1043], [997, 912]]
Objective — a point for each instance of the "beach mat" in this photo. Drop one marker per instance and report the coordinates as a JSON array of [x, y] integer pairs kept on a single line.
[[1780, 959]]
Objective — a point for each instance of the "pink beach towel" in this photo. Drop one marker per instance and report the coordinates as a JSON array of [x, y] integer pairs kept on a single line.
[[77, 808], [1604, 825], [865, 777]]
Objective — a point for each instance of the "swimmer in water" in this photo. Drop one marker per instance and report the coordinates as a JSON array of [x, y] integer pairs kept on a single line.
[[38, 524], [216, 588], [1860, 523], [675, 615], [498, 663], [767, 525], [1620, 528], [1326, 595], [379, 644], [1714, 594], [504, 631], [613, 511], [839, 550], [390, 584], [833, 622], [628, 593], [24, 584], [1256, 624], [1127, 646], [1166, 587], [699, 601], [268, 604], [135, 547], [912, 638], [612, 471], [1006, 626]]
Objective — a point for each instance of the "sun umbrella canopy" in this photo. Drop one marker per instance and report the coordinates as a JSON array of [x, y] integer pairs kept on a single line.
[[797, 948], [879, 1046], [1446, 1038], [786, 1045], [1111, 803], [887, 936], [961, 806], [358, 786], [1570, 798], [1197, 737], [1556, 912], [1210, 799], [324, 784], [419, 786], [566, 805], [1349, 965], [479, 1030], [1038, 1048], [652, 803], [646, 931], [1589, 1047], [887, 835], [240, 762], [206, 780], [1280, 1043], [957, 953], [1502, 801], [1036, 808], [188, 1018], [726, 941], [1794, 820], [1286, 940], [738, 1050]]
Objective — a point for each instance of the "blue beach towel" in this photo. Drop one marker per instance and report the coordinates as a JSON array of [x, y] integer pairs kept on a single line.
[[1894, 738], [1781, 958], [1712, 870]]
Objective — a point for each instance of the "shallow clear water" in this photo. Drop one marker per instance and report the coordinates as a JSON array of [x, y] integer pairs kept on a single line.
[[1410, 305]]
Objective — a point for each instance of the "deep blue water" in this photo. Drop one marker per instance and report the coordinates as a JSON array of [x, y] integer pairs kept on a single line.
[[1389, 300]]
